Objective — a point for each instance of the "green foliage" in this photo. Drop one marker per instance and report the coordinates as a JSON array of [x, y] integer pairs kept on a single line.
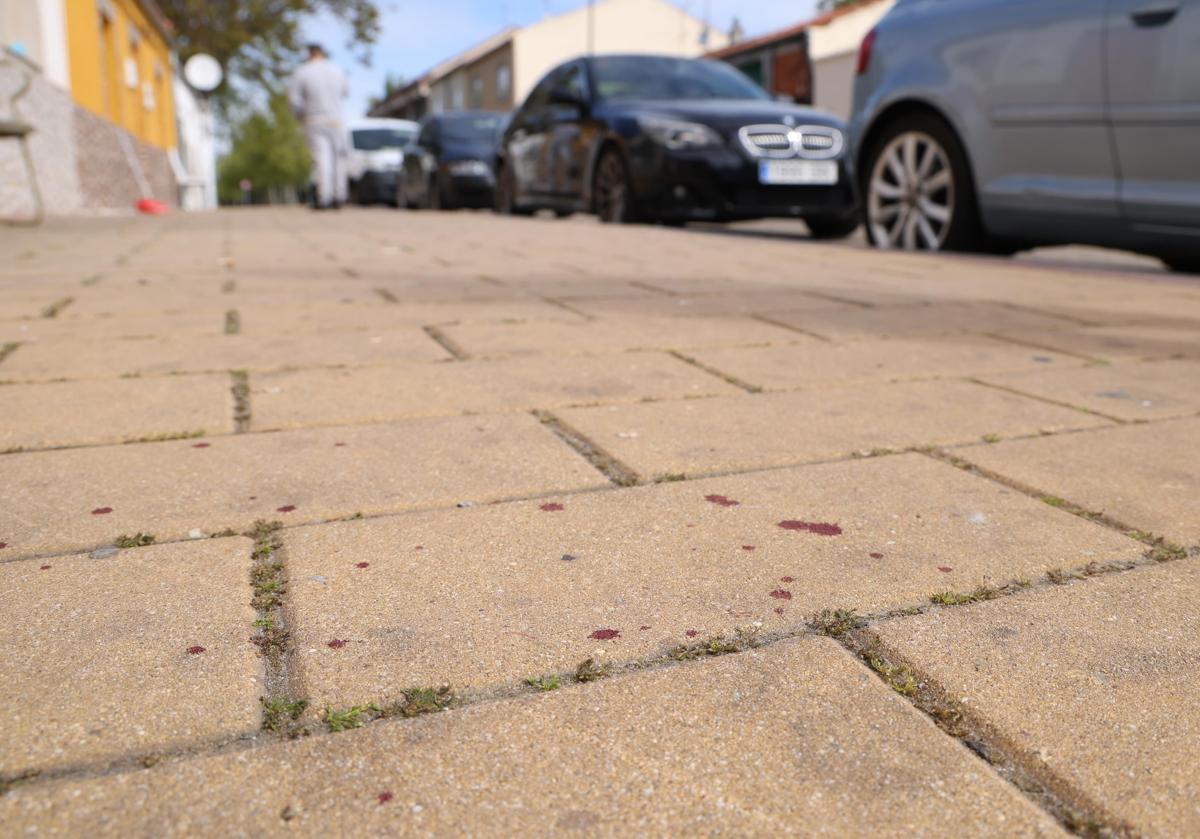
[[268, 149]]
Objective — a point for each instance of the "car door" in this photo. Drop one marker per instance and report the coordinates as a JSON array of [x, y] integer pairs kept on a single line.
[[566, 153], [1037, 69], [1154, 105], [527, 139]]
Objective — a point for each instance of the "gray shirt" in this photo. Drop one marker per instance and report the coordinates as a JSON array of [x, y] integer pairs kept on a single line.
[[316, 92]]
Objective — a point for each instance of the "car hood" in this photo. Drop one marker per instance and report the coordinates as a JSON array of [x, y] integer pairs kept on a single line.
[[467, 151], [728, 115]]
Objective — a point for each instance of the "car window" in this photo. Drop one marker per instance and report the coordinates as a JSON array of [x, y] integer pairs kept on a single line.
[[572, 81], [540, 97], [472, 128], [658, 78], [428, 134], [374, 139]]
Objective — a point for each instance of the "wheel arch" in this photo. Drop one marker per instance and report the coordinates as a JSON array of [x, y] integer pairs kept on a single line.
[[610, 142]]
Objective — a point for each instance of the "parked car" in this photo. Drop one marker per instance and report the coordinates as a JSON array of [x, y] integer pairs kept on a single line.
[[451, 164], [655, 138], [1002, 124], [376, 153]]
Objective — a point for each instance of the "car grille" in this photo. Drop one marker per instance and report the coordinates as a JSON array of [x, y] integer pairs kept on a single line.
[[813, 142]]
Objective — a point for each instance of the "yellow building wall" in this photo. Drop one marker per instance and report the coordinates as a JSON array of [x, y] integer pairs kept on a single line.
[[98, 54]]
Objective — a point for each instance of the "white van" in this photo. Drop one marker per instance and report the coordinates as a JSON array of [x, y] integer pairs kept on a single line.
[[376, 153]]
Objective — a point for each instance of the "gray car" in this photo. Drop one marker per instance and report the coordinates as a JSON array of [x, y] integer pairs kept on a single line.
[[1002, 124]]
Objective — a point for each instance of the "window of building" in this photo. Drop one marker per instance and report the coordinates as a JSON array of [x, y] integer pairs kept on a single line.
[[503, 84], [476, 93]]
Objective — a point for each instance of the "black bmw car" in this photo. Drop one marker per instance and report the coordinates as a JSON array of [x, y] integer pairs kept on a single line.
[[654, 138], [451, 164]]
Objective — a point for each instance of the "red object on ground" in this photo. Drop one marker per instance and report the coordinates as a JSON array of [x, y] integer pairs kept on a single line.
[[152, 207]]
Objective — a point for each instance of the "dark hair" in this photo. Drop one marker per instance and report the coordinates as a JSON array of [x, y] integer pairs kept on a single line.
[[315, 48]]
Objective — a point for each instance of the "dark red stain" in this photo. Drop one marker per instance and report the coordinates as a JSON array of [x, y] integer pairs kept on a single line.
[[336, 643], [384, 797], [419, 548], [781, 594], [787, 579], [338, 445], [3, 545], [691, 633], [721, 501], [551, 508], [362, 565], [875, 555], [201, 445], [286, 508], [195, 650], [605, 634], [818, 527], [778, 610], [101, 511], [747, 547], [643, 628], [945, 569], [46, 567]]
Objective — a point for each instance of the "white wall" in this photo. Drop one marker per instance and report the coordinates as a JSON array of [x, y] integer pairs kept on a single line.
[[833, 49], [639, 26], [195, 160]]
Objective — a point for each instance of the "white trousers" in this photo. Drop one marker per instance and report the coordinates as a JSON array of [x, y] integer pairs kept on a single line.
[[327, 145]]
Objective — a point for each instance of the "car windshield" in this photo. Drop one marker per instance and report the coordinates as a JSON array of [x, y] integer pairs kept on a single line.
[[657, 78], [479, 128], [374, 139]]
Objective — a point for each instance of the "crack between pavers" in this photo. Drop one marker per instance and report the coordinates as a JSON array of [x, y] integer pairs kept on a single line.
[[8, 349], [386, 295], [606, 464], [728, 378], [1021, 342], [645, 286], [1047, 400], [567, 307], [767, 319], [239, 388], [55, 308], [1075, 811], [834, 298], [446, 342], [233, 322]]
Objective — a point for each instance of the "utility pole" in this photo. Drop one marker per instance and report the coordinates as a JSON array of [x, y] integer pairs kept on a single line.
[[591, 26]]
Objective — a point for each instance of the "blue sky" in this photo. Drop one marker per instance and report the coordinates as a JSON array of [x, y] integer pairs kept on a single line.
[[419, 33]]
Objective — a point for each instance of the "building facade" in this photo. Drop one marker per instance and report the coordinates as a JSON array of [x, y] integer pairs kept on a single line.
[[98, 80], [498, 73], [812, 62]]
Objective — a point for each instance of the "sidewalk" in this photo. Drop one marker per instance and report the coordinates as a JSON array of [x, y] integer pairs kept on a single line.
[[377, 523]]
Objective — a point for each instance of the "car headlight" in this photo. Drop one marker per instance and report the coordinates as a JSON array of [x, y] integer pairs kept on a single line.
[[464, 168], [677, 134]]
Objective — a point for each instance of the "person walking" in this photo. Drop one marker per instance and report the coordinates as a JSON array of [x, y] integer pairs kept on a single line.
[[316, 93]]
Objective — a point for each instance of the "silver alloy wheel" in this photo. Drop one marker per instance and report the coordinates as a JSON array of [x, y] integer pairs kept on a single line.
[[910, 202]]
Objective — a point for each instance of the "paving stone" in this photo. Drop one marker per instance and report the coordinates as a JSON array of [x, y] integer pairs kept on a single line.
[[907, 321], [1095, 683], [1145, 476], [342, 317], [812, 365], [126, 656], [755, 431], [744, 745], [132, 324], [370, 394], [1130, 391], [739, 303], [110, 359], [1115, 343], [55, 501], [616, 334], [82, 413], [490, 596]]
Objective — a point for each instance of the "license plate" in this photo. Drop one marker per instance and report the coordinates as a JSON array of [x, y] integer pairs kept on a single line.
[[797, 172]]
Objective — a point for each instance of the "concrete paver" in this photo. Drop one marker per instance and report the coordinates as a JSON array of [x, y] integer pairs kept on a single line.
[[81, 413], [679, 751], [484, 597], [1095, 683], [77, 498], [261, 319], [904, 319], [824, 365], [158, 355], [489, 340], [1130, 391], [776, 429], [125, 656], [1145, 476], [369, 394]]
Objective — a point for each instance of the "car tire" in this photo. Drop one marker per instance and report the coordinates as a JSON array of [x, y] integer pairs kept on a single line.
[[917, 188], [506, 194], [612, 191], [824, 227]]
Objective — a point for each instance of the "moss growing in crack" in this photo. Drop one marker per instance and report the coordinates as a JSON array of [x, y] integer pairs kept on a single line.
[[991, 438], [589, 670], [266, 622], [57, 306], [1059, 576], [138, 540], [348, 718], [955, 598], [544, 683], [8, 349], [742, 639], [670, 478], [835, 622], [279, 713], [900, 679], [168, 435], [7, 782], [1055, 501]]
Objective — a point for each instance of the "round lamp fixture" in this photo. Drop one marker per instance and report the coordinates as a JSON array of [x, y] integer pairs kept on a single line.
[[203, 72]]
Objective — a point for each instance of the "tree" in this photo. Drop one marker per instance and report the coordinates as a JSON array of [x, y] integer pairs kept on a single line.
[[260, 40], [268, 149]]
